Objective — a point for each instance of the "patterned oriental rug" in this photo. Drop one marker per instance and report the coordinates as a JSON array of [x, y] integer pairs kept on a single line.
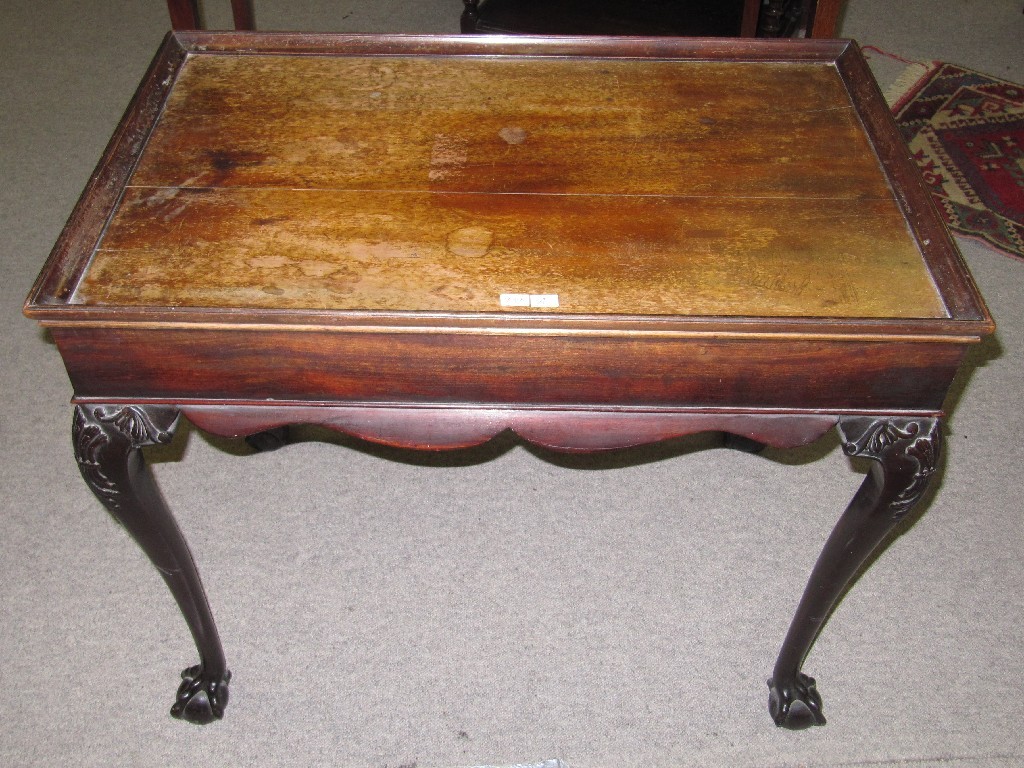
[[966, 132]]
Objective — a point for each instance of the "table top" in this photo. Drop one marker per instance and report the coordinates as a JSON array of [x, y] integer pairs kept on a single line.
[[508, 177]]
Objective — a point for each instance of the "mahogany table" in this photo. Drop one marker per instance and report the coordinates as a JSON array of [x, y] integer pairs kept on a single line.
[[595, 243]]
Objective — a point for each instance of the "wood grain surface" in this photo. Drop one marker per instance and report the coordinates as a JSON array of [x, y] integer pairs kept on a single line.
[[439, 183]]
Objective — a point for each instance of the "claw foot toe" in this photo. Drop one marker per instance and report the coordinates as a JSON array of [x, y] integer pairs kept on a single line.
[[795, 704], [201, 697]]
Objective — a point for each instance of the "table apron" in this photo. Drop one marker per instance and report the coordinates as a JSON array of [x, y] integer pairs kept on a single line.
[[515, 370]]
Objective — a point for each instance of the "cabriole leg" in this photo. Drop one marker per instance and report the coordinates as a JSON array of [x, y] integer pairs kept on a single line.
[[108, 440], [905, 453]]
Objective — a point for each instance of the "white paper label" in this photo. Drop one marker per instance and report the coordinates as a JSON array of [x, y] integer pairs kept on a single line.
[[544, 300], [515, 299]]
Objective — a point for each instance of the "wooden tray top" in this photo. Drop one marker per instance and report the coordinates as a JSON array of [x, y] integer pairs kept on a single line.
[[375, 179]]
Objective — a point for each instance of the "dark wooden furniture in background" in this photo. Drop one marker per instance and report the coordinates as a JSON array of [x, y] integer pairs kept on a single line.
[[708, 18], [595, 243], [689, 18], [798, 18]]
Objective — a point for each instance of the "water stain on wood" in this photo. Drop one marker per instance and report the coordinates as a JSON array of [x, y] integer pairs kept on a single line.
[[470, 241], [513, 134]]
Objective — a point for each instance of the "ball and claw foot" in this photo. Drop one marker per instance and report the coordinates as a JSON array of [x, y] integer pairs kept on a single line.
[[201, 698], [795, 704]]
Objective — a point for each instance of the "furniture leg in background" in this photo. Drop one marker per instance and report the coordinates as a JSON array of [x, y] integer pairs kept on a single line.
[[185, 14], [824, 18]]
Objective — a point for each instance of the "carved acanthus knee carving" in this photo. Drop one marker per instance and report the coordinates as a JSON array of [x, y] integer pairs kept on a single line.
[[100, 428], [908, 447]]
